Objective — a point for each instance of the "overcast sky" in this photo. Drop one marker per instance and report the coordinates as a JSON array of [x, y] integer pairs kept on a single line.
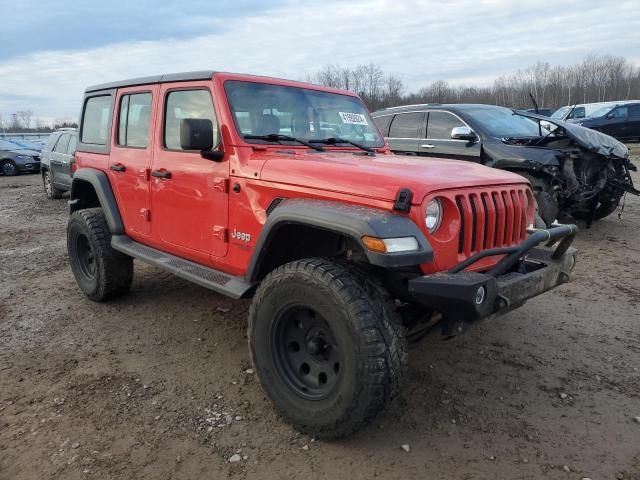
[[50, 51]]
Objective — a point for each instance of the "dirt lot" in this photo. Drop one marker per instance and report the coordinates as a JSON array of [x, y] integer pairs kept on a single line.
[[155, 385]]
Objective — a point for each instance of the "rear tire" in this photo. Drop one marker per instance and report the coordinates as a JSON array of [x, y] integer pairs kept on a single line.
[[548, 207], [8, 168], [101, 272], [327, 345], [49, 188]]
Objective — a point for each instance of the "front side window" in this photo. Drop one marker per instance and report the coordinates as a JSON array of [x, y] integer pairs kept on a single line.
[[263, 109], [440, 124], [63, 143], [407, 125], [133, 123], [95, 121], [620, 112], [181, 104]]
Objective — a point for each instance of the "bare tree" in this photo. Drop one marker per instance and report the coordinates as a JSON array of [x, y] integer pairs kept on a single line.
[[25, 116]]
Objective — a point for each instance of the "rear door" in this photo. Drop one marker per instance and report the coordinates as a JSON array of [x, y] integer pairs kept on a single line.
[[439, 143], [131, 154], [189, 193], [406, 132], [634, 121], [59, 160]]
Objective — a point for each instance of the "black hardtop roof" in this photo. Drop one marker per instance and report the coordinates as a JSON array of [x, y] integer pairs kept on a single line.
[[171, 77]]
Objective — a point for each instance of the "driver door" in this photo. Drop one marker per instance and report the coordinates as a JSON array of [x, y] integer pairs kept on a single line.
[[439, 142], [189, 198]]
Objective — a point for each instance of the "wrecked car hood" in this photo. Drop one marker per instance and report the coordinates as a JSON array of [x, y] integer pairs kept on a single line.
[[592, 140]]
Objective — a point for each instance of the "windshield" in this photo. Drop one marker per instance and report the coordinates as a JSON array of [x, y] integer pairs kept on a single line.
[[263, 109], [502, 122]]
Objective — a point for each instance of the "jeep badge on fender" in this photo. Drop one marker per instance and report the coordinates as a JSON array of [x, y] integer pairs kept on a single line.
[[345, 236]]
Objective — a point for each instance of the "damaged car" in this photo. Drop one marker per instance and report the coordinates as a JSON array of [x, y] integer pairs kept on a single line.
[[574, 171]]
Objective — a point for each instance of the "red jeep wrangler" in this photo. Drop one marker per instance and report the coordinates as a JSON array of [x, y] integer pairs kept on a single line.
[[286, 192]]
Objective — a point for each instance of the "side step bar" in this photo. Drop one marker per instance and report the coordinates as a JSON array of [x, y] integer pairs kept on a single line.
[[234, 287]]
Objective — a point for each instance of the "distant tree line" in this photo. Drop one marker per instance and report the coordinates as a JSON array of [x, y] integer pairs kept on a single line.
[[23, 121], [595, 79]]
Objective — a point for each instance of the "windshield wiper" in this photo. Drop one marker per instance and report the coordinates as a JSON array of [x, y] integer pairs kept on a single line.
[[336, 140], [276, 137]]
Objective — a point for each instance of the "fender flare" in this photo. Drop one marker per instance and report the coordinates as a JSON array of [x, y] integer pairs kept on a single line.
[[353, 221], [101, 185]]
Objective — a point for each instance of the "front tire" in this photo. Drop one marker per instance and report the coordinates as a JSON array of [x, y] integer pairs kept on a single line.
[[49, 188], [8, 168], [327, 345], [101, 272], [548, 207]]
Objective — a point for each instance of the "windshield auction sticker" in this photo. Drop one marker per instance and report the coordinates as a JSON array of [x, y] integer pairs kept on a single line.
[[353, 118]]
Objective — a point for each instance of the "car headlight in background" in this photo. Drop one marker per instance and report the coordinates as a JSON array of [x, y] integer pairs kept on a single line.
[[433, 215], [26, 157]]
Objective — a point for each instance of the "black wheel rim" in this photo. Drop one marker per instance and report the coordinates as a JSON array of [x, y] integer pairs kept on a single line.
[[8, 168], [86, 260], [305, 352]]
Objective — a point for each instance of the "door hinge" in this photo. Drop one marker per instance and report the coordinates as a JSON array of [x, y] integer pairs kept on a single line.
[[145, 173], [146, 214], [221, 185], [220, 233]]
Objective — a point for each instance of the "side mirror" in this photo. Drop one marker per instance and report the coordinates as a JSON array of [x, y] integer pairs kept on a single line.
[[610, 115], [463, 133], [197, 134]]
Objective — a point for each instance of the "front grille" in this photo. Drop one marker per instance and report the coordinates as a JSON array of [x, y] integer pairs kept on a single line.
[[492, 218]]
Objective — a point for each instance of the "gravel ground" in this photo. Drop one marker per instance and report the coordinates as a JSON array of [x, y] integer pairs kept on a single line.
[[158, 384]]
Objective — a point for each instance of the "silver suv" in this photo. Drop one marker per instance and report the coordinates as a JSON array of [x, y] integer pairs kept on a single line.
[[57, 158]]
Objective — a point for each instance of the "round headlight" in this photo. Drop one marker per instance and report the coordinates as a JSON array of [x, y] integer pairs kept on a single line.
[[433, 215]]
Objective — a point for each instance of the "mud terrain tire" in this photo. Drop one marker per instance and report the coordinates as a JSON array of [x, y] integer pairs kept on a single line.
[[327, 345], [101, 272]]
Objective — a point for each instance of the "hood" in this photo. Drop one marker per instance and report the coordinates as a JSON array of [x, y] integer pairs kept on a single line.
[[592, 140], [26, 151], [379, 177]]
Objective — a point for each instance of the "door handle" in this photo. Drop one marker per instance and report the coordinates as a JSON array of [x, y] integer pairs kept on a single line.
[[428, 145], [162, 173], [118, 167]]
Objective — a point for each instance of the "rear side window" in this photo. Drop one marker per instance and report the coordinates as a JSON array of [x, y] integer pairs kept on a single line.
[[383, 124], [73, 143], [407, 125], [182, 104], [95, 120], [133, 123], [634, 111], [440, 125], [63, 143]]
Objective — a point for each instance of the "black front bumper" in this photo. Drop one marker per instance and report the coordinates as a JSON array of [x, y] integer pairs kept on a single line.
[[526, 270]]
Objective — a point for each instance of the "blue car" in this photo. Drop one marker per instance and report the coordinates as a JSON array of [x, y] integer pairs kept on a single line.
[[15, 159]]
